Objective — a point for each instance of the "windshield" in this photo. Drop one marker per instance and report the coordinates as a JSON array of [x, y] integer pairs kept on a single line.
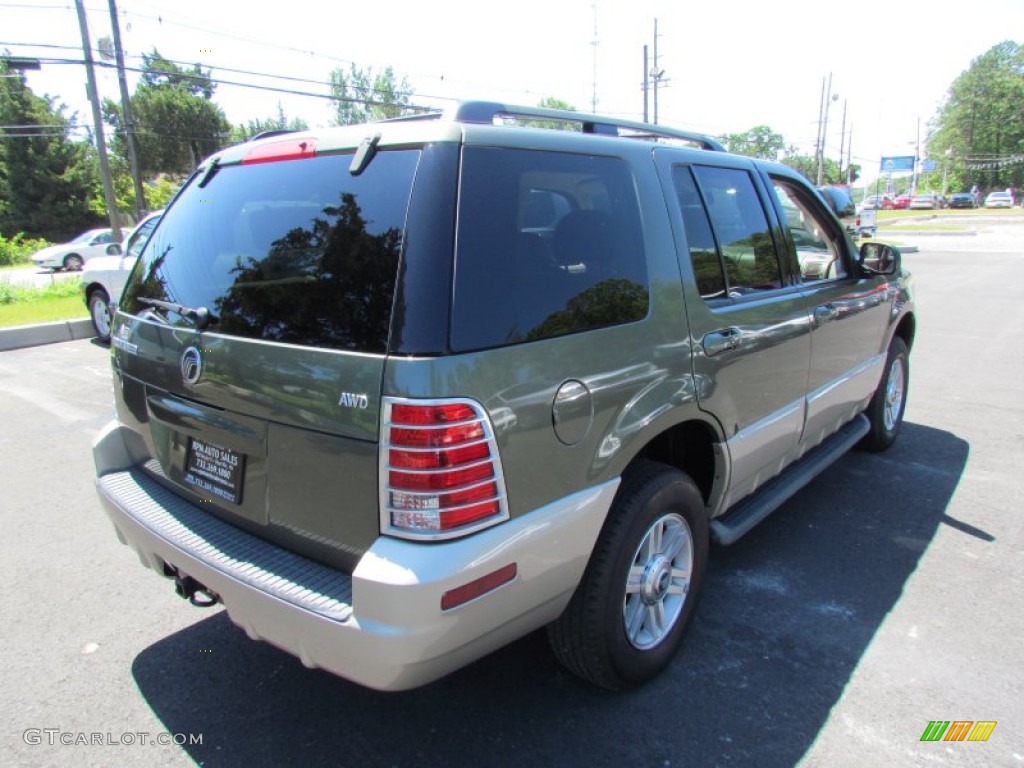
[[297, 251]]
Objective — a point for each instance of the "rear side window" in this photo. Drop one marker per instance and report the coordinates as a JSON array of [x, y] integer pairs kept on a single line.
[[297, 251], [547, 244], [729, 237]]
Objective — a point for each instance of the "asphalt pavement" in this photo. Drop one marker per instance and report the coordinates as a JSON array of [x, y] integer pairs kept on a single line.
[[885, 596]]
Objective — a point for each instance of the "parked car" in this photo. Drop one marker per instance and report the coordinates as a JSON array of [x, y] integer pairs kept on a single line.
[[1001, 199], [877, 202], [399, 394], [901, 202], [961, 200], [72, 255], [104, 277], [929, 201]]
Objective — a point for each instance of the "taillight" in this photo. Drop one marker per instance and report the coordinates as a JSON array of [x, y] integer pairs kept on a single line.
[[440, 471]]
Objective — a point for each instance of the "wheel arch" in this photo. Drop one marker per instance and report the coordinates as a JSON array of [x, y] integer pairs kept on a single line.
[[694, 447], [906, 329], [89, 288]]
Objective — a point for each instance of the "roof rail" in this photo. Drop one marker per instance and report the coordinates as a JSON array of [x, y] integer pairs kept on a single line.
[[486, 112], [268, 134]]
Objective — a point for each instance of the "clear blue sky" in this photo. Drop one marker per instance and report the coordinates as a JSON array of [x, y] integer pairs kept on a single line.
[[749, 63]]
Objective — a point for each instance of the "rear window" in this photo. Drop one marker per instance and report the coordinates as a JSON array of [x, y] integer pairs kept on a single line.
[[547, 244], [297, 251]]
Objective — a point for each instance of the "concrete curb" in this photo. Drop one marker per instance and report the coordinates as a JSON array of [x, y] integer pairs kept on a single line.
[[21, 336]]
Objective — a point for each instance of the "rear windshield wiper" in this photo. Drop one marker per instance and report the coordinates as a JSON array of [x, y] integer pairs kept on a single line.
[[201, 317]]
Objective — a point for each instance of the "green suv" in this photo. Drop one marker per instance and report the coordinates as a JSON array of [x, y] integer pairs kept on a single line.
[[398, 394]]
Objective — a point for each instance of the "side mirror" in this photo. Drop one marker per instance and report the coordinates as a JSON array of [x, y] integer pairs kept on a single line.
[[114, 249], [879, 259]]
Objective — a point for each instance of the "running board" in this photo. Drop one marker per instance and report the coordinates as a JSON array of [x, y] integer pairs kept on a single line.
[[739, 520]]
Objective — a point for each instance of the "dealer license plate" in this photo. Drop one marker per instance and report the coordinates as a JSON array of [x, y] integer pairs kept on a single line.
[[214, 470]]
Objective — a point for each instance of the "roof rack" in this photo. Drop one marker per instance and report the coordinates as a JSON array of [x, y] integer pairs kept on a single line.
[[487, 112]]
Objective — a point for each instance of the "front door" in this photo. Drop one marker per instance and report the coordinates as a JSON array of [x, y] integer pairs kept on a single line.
[[848, 312]]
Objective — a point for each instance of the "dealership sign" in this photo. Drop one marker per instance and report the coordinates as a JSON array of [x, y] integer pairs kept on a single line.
[[900, 163]]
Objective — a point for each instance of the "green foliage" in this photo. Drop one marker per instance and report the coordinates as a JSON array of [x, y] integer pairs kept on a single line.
[[550, 102], [831, 173], [176, 122], [160, 191], [978, 135], [17, 249], [281, 122], [760, 141], [363, 96], [46, 180]]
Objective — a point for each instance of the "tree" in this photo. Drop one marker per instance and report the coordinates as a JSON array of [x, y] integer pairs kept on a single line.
[[550, 102], [363, 96], [281, 122], [760, 141], [46, 178], [981, 123], [176, 122]]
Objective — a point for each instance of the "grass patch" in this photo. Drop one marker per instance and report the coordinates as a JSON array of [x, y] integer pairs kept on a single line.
[[925, 226], [22, 305]]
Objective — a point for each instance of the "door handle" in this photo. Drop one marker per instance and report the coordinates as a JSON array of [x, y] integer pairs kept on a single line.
[[724, 340], [825, 312]]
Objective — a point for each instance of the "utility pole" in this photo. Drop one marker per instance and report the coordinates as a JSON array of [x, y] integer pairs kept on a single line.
[[647, 72], [126, 112], [849, 158], [821, 111], [97, 117], [917, 159], [842, 141], [656, 74], [827, 98], [594, 43]]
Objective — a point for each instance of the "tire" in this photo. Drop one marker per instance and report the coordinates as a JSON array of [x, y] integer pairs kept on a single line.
[[885, 412], [99, 313], [73, 262], [627, 618]]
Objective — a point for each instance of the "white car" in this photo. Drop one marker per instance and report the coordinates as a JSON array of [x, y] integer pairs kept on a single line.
[[72, 255], [104, 277], [999, 200]]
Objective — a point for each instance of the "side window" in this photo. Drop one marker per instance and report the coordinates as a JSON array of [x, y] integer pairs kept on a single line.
[[139, 239], [707, 265], [547, 244], [731, 245], [818, 251]]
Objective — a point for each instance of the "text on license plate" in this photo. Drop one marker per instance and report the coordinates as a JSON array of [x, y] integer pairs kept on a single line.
[[212, 469]]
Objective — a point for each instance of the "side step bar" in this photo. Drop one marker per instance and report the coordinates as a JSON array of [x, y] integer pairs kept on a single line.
[[739, 520]]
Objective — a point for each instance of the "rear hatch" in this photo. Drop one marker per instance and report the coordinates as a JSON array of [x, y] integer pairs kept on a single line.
[[252, 337]]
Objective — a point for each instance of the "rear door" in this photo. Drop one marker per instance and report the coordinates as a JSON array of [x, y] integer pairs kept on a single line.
[[251, 342], [748, 323]]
